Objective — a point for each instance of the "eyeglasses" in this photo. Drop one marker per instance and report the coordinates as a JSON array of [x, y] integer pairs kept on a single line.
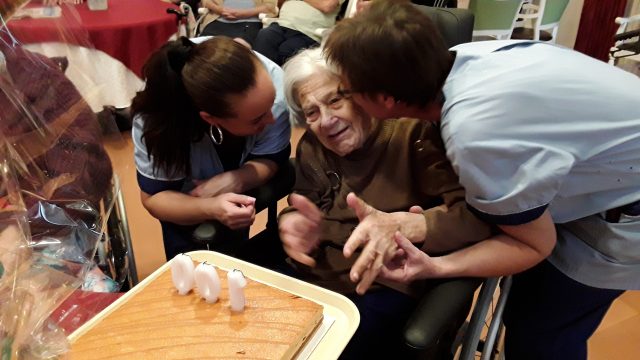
[[333, 103], [347, 93]]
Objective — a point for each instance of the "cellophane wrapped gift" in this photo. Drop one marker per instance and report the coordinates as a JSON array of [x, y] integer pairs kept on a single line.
[[55, 176]]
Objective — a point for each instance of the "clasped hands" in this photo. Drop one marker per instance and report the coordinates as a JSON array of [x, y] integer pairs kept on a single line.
[[386, 251], [236, 211]]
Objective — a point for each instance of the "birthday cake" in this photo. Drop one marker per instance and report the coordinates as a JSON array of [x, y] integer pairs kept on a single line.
[[158, 323]]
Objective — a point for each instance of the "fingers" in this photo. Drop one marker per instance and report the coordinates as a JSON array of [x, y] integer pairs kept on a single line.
[[416, 209], [358, 205], [299, 237], [404, 244], [240, 199], [393, 274], [358, 237], [306, 207], [299, 256], [370, 274], [363, 262]]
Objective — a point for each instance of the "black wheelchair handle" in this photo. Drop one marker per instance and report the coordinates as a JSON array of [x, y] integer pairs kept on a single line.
[[175, 12]]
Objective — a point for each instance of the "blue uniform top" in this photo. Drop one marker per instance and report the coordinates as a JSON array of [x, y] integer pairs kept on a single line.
[[531, 126], [205, 162]]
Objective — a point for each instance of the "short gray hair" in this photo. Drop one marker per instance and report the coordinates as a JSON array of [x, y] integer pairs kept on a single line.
[[297, 70]]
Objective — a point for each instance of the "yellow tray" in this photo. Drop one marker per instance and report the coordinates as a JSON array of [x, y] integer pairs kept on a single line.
[[335, 306]]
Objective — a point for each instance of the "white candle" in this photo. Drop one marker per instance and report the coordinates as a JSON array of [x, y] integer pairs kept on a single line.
[[182, 273], [236, 282], [207, 282]]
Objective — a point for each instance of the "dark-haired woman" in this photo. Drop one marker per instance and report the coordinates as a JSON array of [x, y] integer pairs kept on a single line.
[[210, 125]]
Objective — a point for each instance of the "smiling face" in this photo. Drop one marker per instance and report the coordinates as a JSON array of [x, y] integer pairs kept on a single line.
[[252, 109], [336, 121]]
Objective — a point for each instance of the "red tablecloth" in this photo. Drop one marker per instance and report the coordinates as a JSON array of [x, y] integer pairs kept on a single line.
[[129, 31], [81, 307]]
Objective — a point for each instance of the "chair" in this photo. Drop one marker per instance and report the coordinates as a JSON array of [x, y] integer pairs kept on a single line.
[[627, 42], [494, 18], [545, 16]]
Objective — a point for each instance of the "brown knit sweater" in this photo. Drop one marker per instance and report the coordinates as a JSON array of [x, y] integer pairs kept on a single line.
[[391, 172]]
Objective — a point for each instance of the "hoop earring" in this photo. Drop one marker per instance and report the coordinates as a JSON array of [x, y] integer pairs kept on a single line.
[[213, 138]]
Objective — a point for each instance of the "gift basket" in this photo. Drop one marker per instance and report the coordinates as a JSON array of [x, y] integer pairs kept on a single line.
[[58, 229]]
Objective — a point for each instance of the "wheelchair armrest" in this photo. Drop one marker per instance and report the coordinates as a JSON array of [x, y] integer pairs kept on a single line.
[[437, 307]]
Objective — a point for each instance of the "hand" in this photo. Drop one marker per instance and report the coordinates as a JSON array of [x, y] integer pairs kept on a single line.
[[415, 209], [409, 263], [219, 184], [231, 14], [362, 5], [300, 230], [236, 211], [375, 232]]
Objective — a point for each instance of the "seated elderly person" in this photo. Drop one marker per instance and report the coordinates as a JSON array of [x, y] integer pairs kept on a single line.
[[296, 28], [393, 165]]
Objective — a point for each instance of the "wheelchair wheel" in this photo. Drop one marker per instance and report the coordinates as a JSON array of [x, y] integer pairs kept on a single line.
[[481, 337], [114, 255]]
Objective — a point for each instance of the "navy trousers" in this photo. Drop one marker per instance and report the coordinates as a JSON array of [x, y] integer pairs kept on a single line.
[[383, 313], [247, 30], [550, 316], [280, 43]]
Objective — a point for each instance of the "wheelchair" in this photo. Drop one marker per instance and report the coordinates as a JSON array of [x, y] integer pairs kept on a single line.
[[626, 45], [114, 254]]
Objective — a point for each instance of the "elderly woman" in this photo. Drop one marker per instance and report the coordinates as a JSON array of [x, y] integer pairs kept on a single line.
[[393, 165]]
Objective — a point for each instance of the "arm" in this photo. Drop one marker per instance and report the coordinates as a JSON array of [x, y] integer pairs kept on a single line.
[[233, 210], [519, 248], [268, 7], [326, 6], [451, 225], [251, 174], [213, 6], [300, 224]]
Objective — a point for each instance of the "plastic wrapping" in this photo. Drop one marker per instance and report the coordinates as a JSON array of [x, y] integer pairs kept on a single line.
[[56, 199]]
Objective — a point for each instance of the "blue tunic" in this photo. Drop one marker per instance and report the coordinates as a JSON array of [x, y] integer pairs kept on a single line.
[[532, 126]]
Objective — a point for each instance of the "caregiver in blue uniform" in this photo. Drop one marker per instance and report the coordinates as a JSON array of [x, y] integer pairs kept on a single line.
[[546, 142]]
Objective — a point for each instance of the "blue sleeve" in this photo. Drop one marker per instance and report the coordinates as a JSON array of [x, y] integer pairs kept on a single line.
[[144, 163], [276, 137]]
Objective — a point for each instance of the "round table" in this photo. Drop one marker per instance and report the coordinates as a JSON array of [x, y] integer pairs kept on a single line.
[[129, 30]]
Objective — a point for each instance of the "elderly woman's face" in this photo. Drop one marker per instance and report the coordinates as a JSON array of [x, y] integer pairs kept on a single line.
[[335, 120]]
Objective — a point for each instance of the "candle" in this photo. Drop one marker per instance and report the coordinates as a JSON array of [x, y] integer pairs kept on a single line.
[[182, 273], [236, 282], [207, 282]]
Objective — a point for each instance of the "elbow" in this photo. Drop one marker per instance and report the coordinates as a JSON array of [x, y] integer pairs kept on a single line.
[[545, 247], [329, 7]]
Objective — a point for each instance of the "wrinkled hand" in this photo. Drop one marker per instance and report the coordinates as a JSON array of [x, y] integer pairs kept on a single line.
[[214, 186], [375, 232], [409, 263], [236, 211], [300, 230]]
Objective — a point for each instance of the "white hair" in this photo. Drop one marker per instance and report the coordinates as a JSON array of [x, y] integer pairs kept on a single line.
[[297, 70]]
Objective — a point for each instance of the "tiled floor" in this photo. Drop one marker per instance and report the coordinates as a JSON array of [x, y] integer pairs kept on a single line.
[[617, 338]]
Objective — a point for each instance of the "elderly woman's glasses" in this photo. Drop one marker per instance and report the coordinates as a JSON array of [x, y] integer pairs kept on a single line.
[[333, 102], [344, 92]]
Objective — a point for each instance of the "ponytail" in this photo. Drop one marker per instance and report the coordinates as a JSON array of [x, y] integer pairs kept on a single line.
[[182, 79], [171, 121]]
